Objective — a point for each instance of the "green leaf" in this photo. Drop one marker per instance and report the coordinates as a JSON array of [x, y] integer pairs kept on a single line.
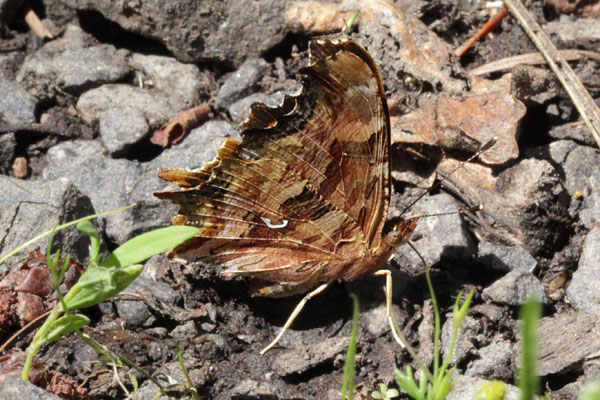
[[349, 367], [406, 382], [494, 390], [144, 246], [529, 381], [65, 325], [88, 229], [99, 283]]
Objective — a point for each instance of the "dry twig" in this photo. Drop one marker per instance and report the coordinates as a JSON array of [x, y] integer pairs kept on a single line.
[[491, 24], [508, 63]]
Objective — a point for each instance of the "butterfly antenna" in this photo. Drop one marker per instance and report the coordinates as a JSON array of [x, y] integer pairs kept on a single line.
[[476, 208], [461, 164]]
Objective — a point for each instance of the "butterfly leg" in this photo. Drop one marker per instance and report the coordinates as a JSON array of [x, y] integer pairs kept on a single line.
[[294, 314], [388, 302]]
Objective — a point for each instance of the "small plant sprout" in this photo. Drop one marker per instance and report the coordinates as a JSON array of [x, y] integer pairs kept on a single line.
[[188, 381], [102, 279], [349, 367], [436, 385], [384, 393]]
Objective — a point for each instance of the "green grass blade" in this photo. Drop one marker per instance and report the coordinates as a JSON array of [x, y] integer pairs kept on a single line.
[[349, 367], [529, 381], [144, 246]]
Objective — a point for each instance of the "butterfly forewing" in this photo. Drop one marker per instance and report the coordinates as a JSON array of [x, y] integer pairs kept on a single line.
[[338, 137]]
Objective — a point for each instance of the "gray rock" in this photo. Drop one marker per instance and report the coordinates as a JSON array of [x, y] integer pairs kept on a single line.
[[440, 237], [582, 32], [301, 358], [375, 321], [466, 386], [573, 131], [134, 312], [465, 342], [154, 104], [71, 64], [514, 288], [557, 151], [178, 81], [185, 332], [110, 184], [590, 210], [242, 82], [107, 182], [505, 258], [524, 205], [584, 289], [10, 63], [17, 106], [490, 312], [15, 387], [571, 391], [577, 168], [251, 389], [159, 299], [223, 31], [172, 87], [121, 128], [496, 361], [35, 207], [8, 145], [579, 178], [159, 291], [566, 341]]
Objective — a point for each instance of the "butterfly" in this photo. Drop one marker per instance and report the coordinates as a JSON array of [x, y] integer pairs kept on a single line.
[[302, 199]]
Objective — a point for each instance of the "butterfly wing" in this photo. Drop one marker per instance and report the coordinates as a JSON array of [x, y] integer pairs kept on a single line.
[[308, 184]]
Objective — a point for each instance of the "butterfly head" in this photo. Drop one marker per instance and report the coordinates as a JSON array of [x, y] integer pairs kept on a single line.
[[401, 232]]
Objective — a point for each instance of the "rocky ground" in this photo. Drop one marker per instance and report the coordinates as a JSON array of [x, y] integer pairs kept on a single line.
[[77, 113]]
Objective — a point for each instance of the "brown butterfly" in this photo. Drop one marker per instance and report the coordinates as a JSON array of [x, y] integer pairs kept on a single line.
[[302, 200]]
